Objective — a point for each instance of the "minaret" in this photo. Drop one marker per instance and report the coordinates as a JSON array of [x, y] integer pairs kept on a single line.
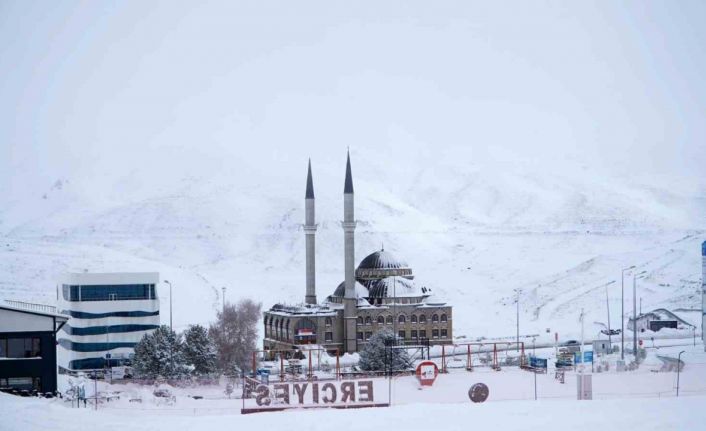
[[349, 300], [310, 235]]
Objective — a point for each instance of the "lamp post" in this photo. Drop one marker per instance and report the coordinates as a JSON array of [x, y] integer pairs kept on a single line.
[[634, 313], [678, 370], [517, 301], [607, 305], [170, 304], [622, 311], [224, 299]]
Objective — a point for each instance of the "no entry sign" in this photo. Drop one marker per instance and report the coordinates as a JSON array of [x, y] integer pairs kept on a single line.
[[427, 372]]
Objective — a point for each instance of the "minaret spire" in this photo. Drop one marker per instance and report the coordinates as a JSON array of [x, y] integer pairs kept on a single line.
[[310, 236], [350, 302]]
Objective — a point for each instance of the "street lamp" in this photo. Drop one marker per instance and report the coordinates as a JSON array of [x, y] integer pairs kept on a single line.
[[634, 314], [170, 304], [607, 304], [622, 311], [678, 370], [517, 301]]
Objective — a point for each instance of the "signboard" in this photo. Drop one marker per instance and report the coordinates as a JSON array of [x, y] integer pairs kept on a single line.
[[427, 371], [261, 397], [478, 393], [587, 357], [535, 362]]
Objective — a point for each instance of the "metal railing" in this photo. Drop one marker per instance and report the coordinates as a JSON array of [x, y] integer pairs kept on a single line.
[[31, 306]]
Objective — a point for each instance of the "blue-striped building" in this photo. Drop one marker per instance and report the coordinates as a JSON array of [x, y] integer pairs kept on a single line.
[[109, 313]]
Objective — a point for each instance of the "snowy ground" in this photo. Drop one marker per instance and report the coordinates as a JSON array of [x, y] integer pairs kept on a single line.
[[645, 396]]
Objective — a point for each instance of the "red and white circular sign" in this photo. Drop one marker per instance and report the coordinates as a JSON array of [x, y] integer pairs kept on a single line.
[[427, 372]]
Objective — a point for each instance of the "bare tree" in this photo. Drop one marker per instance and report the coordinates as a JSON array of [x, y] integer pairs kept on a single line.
[[235, 335]]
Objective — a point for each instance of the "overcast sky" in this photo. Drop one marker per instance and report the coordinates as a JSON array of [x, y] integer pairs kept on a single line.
[[101, 86]]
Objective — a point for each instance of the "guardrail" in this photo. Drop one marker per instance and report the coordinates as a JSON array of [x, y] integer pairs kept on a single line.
[[31, 306]]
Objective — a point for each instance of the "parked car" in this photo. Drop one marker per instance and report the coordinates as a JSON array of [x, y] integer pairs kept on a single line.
[[571, 346]]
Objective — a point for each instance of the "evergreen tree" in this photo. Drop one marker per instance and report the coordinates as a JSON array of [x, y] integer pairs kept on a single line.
[[379, 353], [160, 353], [199, 350], [235, 336]]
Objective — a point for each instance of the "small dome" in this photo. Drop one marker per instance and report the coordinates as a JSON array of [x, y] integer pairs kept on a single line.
[[382, 264], [360, 290], [398, 288]]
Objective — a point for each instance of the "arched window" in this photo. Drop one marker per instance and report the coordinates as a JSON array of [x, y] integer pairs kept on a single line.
[[435, 318], [286, 333], [281, 328], [413, 319], [276, 328], [401, 319], [368, 321], [422, 318], [360, 320], [388, 320], [328, 321], [381, 320], [443, 318], [305, 331]]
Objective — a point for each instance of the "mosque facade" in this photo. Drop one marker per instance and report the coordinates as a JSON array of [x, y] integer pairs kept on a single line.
[[380, 293]]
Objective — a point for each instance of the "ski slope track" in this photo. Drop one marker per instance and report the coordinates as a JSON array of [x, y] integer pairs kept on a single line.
[[472, 230]]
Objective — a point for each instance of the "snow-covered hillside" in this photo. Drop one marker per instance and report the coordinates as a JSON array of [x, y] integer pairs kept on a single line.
[[472, 230]]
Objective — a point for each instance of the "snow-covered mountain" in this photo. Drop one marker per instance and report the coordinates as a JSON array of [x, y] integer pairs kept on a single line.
[[472, 230]]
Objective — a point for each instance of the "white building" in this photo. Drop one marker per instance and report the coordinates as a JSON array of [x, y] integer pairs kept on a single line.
[[109, 313]]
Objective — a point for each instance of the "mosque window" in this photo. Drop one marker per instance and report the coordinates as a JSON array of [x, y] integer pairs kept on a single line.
[[422, 318], [401, 334], [381, 320], [360, 321], [388, 320], [434, 333], [368, 335], [287, 329], [368, 321], [443, 318], [435, 318], [328, 336], [414, 334], [413, 318], [444, 333], [360, 336], [423, 333], [328, 321], [401, 319]]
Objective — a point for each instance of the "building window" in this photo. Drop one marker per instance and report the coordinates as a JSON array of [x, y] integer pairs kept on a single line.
[[435, 318], [388, 320], [381, 320], [368, 321], [423, 333], [401, 319], [109, 292], [401, 334], [434, 333], [368, 335], [360, 321], [422, 318], [443, 318], [22, 383], [328, 336], [444, 333], [328, 322], [287, 330], [20, 348], [413, 319], [360, 336], [414, 334]]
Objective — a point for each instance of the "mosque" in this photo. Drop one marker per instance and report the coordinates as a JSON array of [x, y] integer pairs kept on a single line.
[[380, 293]]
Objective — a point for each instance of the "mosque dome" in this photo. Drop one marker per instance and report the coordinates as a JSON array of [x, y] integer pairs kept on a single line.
[[396, 288], [381, 264], [360, 291]]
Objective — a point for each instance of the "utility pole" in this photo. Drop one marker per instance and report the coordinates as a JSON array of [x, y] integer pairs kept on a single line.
[[581, 348], [622, 311], [679, 369]]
